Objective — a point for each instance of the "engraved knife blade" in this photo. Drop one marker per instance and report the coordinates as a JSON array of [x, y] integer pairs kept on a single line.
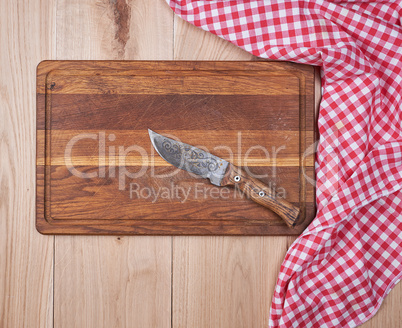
[[189, 158]]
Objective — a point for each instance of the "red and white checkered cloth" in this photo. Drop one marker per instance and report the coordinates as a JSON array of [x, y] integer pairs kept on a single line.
[[337, 273]]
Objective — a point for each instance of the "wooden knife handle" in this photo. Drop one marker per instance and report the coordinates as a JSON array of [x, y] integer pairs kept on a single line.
[[261, 194]]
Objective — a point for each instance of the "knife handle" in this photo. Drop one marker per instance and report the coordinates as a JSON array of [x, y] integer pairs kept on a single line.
[[261, 194]]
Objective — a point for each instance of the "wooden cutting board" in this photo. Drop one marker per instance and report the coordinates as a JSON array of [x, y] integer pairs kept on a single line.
[[97, 172]]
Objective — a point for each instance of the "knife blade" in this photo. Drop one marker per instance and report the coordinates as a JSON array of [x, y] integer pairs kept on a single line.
[[222, 173]]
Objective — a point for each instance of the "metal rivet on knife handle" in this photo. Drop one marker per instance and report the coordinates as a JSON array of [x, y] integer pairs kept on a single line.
[[261, 194]]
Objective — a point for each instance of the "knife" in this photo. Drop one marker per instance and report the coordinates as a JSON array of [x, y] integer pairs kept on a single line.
[[222, 173]]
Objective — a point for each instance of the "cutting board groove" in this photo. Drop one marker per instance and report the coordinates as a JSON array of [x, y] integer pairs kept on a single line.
[[97, 172]]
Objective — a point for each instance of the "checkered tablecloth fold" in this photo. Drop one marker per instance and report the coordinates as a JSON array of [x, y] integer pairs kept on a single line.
[[337, 273]]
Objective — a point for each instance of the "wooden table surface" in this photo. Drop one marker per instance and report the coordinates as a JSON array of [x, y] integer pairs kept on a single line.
[[106, 281]]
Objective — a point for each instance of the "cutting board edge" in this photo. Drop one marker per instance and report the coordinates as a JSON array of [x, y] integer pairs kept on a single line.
[[49, 226]]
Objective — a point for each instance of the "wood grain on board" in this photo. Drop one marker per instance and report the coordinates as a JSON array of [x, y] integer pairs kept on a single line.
[[99, 174]]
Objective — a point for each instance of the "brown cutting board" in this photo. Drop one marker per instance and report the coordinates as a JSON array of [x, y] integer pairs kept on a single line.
[[97, 172]]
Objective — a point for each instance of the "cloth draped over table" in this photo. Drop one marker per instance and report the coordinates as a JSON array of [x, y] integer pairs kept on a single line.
[[339, 270]]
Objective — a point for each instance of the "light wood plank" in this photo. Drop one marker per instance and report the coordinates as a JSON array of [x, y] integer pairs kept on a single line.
[[112, 281], [114, 30], [192, 43], [224, 281], [26, 257], [103, 281]]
